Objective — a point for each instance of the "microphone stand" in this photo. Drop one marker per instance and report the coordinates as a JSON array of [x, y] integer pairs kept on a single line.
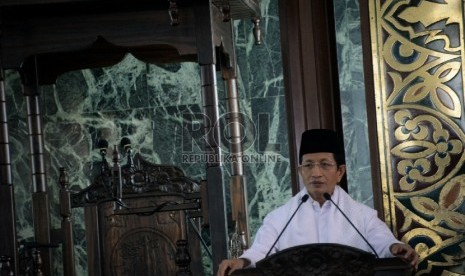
[[304, 199], [328, 197]]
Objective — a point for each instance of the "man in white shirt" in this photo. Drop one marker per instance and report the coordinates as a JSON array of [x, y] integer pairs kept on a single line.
[[318, 220]]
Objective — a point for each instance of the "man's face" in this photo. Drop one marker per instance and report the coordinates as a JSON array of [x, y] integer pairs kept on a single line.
[[320, 173]]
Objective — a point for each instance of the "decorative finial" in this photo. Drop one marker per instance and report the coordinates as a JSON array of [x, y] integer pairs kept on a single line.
[[257, 31], [226, 10], [174, 13]]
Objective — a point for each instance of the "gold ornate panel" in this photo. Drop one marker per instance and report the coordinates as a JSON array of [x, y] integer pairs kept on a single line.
[[418, 61]]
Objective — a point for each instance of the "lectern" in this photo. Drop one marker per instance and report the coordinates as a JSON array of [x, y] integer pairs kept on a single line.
[[326, 259]]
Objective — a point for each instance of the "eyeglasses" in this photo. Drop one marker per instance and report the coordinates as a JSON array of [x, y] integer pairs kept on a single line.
[[325, 166]]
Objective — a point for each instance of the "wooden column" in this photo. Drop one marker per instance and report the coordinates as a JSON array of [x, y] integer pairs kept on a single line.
[[371, 106], [66, 224], [310, 71], [237, 182], [215, 175], [8, 243], [214, 168], [40, 197]]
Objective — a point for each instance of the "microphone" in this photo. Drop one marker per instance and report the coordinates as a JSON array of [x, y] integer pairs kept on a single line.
[[303, 199], [102, 145], [126, 144], [328, 197]]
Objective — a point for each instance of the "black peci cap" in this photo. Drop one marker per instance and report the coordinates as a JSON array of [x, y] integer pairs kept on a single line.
[[320, 140]]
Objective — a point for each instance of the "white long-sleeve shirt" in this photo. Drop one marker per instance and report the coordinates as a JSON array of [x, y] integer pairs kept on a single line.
[[321, 224]]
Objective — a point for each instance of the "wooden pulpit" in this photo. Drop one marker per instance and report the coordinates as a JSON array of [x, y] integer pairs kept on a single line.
[[326, 259], [145, 222]]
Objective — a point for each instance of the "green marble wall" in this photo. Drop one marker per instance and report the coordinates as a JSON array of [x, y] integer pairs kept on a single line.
[[149, 103], [353, 106]]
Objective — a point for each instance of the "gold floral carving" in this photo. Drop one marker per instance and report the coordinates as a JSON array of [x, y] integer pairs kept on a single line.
[[418, 62]]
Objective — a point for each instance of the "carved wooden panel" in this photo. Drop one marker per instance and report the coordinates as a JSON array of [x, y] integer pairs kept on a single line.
[[418, 87], [140, 243], [136, 223]]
